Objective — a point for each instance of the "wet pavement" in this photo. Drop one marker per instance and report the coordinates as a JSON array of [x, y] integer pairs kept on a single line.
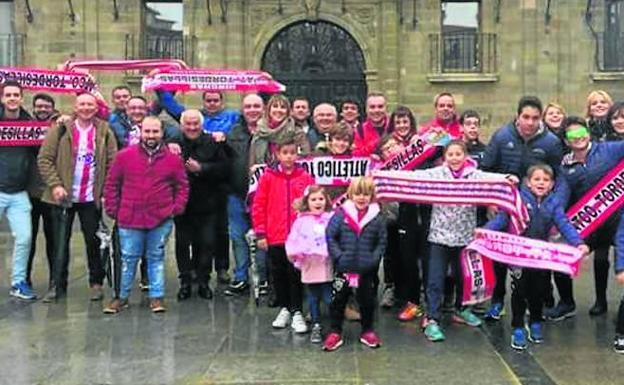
[[230, 341]]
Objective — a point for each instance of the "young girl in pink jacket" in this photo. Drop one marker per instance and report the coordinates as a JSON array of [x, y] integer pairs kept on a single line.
[[306, 248]]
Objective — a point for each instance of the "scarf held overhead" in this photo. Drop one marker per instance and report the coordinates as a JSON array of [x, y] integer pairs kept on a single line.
[[212, 80], [35, 79]]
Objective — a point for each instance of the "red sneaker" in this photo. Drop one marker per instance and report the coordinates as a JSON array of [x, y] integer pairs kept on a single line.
[[332, 342], [409, 312], [370, 339]]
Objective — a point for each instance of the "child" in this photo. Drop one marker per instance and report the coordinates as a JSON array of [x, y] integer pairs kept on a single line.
[[306, 248], [272, 215], [356, 237], [471, 124], [451, 229], [545, 210]]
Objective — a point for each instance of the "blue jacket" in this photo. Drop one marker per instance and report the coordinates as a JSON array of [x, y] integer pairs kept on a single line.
[[356, 251], [601, 158], [219, 122], [120, 127], [542, 218], [508, 153]]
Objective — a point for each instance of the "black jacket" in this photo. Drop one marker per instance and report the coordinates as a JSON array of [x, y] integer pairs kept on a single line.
[[208, 187], [15, 162], [239, 140]]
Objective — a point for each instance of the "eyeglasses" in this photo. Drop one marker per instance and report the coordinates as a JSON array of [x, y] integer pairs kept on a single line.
[[212, 100]]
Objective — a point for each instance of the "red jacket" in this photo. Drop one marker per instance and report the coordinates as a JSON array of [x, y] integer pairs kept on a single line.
[[453, 128], [367, 138], [142, 191], [272, 212]]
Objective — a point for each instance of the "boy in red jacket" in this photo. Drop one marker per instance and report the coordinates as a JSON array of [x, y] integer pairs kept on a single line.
[[272, 216]]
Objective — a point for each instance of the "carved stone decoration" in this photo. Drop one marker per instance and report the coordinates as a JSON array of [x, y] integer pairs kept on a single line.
[[366, 17], [260, 16], [312, 8]]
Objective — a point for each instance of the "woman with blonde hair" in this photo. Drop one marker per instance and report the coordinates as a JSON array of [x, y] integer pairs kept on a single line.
[[553, 116], [596, 110], [274, 128]]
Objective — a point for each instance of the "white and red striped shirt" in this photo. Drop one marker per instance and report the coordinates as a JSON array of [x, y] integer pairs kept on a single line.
[[84, 168]]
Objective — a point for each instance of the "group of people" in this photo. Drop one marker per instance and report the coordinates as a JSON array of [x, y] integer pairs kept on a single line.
[[327, 241]]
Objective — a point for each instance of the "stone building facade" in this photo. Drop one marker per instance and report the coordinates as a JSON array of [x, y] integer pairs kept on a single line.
[[558, 50]]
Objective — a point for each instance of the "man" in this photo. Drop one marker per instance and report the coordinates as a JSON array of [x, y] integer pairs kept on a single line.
[[145, 188], [15, 165], [513, 149], [239, 140], [119, 117], [301, 113], [325, 117], [367, 136], [445, 117], [350, 113], [217, 120], [136, 110], [203, 226], [73, 161], [43, 111]]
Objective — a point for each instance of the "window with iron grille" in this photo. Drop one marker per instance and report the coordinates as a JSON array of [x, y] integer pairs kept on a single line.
[[11, 44], [613, 36], [162, 30], [460, 47]]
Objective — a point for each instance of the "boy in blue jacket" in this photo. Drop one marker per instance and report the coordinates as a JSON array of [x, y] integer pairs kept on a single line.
[[545, 210]]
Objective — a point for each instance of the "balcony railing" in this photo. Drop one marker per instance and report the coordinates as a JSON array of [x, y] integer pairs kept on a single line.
[[609, 49], [161, 47], [462, 52], [11, 49]]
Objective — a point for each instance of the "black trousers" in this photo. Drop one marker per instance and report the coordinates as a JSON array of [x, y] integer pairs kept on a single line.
[[365, 295], [500, 271], [89, 216], [527, 289], [200, 233], [44, 211], [391, 260], [286, 278], [414, 251]]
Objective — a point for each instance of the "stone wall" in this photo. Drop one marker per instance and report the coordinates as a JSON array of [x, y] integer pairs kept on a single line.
[[553, 60]]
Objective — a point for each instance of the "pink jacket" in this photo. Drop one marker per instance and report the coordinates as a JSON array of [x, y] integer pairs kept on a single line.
[[367, 138], [306, 247], [142, 191], [453, 128]]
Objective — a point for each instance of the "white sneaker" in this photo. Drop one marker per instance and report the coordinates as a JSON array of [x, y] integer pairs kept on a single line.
[[282, 319], [298, 323]]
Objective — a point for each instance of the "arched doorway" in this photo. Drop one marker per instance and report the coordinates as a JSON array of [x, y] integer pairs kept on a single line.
[[318, 60]]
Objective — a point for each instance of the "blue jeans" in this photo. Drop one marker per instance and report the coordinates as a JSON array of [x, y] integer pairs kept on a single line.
[[151, 243], [17, 209], [317, 292], [239, 224], [440, 258], [238, 221]]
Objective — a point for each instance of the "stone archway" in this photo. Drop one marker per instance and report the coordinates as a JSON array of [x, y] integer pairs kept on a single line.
[[317, 59]]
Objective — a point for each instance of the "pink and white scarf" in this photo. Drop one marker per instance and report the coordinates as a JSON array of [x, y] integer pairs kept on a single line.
[[36, 79], [22, 133]]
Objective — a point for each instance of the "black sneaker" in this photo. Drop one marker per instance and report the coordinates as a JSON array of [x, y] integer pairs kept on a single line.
[[184, 293], [203, 291], [618, 344], [561, 312], [236, 288]]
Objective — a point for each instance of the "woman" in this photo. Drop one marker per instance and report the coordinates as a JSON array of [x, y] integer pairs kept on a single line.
[[273, 128], [553, 116], [596, 110]]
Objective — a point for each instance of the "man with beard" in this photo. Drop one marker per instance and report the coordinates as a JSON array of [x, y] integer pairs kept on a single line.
[[73, 161], [445, 117], [43, 111], [15, 163], [203, 226], [145, 188], [301, 113]]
